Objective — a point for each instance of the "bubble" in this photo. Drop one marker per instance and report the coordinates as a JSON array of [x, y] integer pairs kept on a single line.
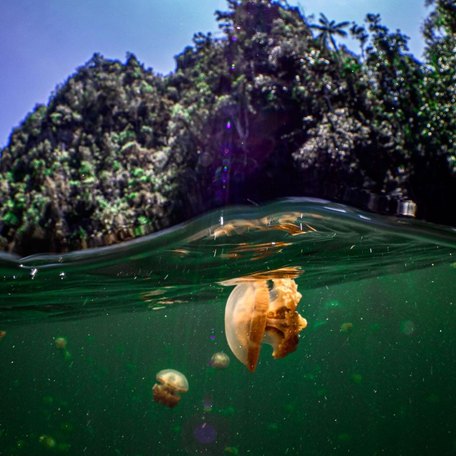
[[332, 304]]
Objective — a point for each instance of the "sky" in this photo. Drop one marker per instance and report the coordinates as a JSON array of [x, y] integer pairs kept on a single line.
[[43, 42]]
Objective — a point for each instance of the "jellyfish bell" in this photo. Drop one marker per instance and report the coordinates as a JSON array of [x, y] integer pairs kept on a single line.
[[219, 360], [263, 311], [170, 385]]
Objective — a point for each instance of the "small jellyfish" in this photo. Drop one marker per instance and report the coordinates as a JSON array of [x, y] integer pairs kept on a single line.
[[2, 334], [263, 311], [60, 343], [220, 360], [47, 441], [170, 384], [346, 327]]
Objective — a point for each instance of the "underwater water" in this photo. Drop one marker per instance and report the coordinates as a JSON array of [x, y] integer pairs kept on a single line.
[[84, 334]]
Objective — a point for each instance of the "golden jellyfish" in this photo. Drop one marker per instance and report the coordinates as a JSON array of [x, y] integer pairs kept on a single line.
[[170, 385], [263, 311], [60, 343], [220, 360]]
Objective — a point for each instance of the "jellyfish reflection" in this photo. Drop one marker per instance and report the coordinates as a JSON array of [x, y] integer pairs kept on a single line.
[[263, 311]]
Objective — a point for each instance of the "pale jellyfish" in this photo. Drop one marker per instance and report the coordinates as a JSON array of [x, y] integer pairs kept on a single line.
[[220, 360], [60, 343], [263, 311], [170, 385]]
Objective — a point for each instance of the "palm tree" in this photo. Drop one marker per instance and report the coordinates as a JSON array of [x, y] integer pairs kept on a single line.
[[328, 29]]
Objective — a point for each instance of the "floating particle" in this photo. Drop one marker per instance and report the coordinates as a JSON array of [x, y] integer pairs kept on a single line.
[[332, 304], [66, 427]]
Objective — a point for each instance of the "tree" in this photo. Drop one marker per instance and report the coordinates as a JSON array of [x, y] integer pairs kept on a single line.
[[330, 29]]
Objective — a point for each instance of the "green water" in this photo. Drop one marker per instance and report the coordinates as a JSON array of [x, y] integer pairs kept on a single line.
[[373, 373]]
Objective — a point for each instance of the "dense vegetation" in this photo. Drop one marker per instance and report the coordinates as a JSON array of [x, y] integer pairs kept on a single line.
[[274, 107]]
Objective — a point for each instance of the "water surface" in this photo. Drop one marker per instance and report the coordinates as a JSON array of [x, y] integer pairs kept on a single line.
[[373, 372]]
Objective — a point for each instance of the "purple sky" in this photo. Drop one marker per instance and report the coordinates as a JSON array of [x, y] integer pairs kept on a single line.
[[42, 42]]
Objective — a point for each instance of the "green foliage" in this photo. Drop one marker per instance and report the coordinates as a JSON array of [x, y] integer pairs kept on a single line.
[[328, 29], [274, 106], [66, 169]]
